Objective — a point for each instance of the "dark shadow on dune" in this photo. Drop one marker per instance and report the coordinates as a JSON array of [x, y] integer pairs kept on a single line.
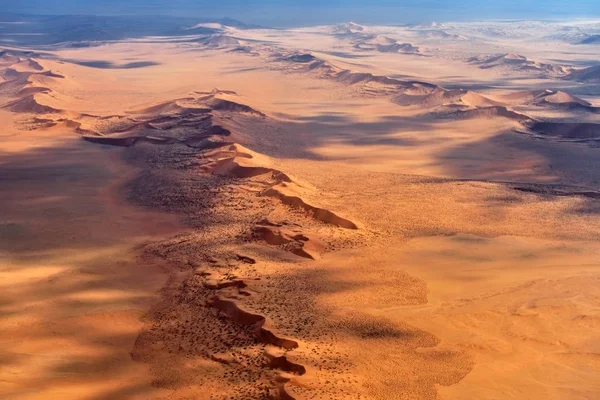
[[299, 310], [304, 133], [52, 209], [343, 54], [573, 167], [241, 70], [123, 393], [41, 184], [508, 156], [589, 207], [504, 199], [53, 212], [111, 65], [475, 85], [567, 130], [367, 327]]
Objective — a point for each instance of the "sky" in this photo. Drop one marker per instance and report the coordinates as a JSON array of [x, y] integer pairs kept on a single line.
[[310, 12]]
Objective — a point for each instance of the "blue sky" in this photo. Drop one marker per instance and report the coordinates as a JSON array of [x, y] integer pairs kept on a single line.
[[290, 13]]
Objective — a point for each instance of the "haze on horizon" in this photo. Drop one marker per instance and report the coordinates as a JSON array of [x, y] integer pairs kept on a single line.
[[292, 13]]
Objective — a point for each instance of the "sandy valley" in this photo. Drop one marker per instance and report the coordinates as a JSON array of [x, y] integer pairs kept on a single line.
[[333, 212]]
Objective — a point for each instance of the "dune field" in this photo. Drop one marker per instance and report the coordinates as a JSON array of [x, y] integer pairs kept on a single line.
[[332, 212]]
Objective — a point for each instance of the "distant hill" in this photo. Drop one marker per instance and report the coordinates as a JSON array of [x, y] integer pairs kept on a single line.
[[46, 30], [518, 62], [590, 74], [592, 39]]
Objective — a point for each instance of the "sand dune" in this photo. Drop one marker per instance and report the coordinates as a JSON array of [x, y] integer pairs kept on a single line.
[[550, 99], [13, 56], [187, 121], [219, 41], [228, 105], [371, 84], [558, 97], [385, 45], [431, 97], [408, 93], [301, 58], [345, 223], [127, 141], [487, 112], [435, 32], [467, 98], [349, 29], [8, 58], [26, 79], [590, 74], [291, 194], [519, 62], [237, 161], [294, 241], [28, 65], [539, 97], [20, 83], [29, 104]]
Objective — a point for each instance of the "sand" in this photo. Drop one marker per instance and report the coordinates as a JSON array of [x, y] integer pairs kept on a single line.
[[72, 289], [339, 212]]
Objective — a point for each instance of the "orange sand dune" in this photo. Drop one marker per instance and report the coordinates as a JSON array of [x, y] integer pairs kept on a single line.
[[339, 220]]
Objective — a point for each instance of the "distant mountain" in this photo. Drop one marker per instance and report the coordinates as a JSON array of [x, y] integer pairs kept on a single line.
[[384, 44], [349, 29], [46, 30], [592, 39], [219, 41], [440, 34]]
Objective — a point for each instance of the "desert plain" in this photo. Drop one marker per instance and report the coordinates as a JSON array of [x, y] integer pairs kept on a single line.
[[330, 212]]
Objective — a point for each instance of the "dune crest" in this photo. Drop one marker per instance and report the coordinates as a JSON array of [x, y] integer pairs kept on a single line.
[[293, 240], [29, 104], [237, 161], [291, 194]]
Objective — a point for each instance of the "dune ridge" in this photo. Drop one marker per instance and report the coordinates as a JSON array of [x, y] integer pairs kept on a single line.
[[185, 120], [234, 289], [239, 162], [385, 44], [277, 352], [486, 112], [518, 62], [293, 240], [590, 74], [29, 104], [22, 83], [408, 93], [549, 98], [221, 302], [189, 121]]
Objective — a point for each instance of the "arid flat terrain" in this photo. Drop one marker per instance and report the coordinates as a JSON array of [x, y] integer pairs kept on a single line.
[[333, 212]]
